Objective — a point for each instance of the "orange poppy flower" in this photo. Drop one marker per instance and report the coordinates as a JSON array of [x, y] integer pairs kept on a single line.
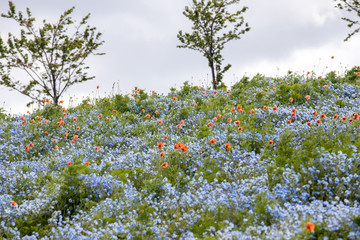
[[275, 108], [252, 111], [318, 121], [336, 116], [213, 140], [195, 105], [182, 122], [78, 128], [227, 92], [87, 163], [97, 87], [261, 92], [240, 128], [142, 110], [108, 119], [39, 118], [293, 110], [27, 148], [322, 116], [291, 99], [114, 111], [238, 107], [164, 165], [156, 112], [271, 142], [165, 136], [307, 97], [358, 73], [237, 122], [344, 118], [13, 203], [176, 146], [215, 92], [274, 89], [310, 226], [160, 145], [178, 126], [228, 146], [332, 57], [24, 122], [289, 121], [76, 137], [23, 118], [72, 141], [75, 119], [184, 149], [174, 98], [148, 116], [31, 144], [65, 114], [160, 121], [219, 116], [100, 115], [215, 119], [204, 93], [162, 154], [265, 107], [46, 132], [54, 140], [61, 101], [32, 121], [56, 147], [232, 109], [97, 148], [293, 114], [314, 113], [308, 123], [210, 124], [229, 120], [325, 86]]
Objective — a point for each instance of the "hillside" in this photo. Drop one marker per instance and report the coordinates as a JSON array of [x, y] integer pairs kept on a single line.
[[268, 158]]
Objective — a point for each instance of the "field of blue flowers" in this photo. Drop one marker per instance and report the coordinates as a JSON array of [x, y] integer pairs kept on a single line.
[[270, 158]]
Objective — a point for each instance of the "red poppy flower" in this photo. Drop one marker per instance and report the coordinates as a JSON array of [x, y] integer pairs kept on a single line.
[[309, 123], [77, 128], [87, 163], [176, 146], [210, 124], [32, 121], [289, 121], [314, 113], [265, 107], [204, 93], [178, 126], [344, 118], [160, 145], [27, 148], [64, 110], [318, 121], [309, 225], [232, 109], [261, 92], [227, 92], [164, 165], [156, 112], [100, 115], [252, 111], [174, 98], [162, 154], [275, 108], [293, 110], [336, 116], [114, 111], [229, 120], [215, 92], [291, 99], [160, 121], [332, 57], [46, 132], [237, 122], [184, 149], [215, 119], [108, 119], [213, 140], [56, 147], [240, 128], [195, 105], [76, 137], [72, 141], [54, 140], [239, 107], [350, 120], [75, 119], [293, 114], [97, 148], [325, 86], [97, 86], [182, 122], [142, 110], [322, 116], [148, 116], [31, 144], [228, 146], [219, 116], [13, 203], [271, 142], [165, 136], [23, 118]]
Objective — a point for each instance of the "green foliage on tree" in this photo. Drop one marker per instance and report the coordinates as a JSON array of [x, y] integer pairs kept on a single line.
[[52, 56], [354, 7], [211, 19]]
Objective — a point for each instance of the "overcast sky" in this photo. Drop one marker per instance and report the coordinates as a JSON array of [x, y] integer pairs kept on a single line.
[[140, 43]]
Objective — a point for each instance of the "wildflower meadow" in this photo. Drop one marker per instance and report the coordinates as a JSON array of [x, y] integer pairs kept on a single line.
[[267, 158]]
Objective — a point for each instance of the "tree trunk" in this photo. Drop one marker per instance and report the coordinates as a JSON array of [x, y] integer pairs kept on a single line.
[[213, 75]]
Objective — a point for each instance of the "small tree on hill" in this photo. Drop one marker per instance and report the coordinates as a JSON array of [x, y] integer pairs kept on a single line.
[[210, 20], [51, 57], [350, 6]]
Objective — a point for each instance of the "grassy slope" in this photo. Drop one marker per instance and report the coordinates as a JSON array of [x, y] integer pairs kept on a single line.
[[254, 188]]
